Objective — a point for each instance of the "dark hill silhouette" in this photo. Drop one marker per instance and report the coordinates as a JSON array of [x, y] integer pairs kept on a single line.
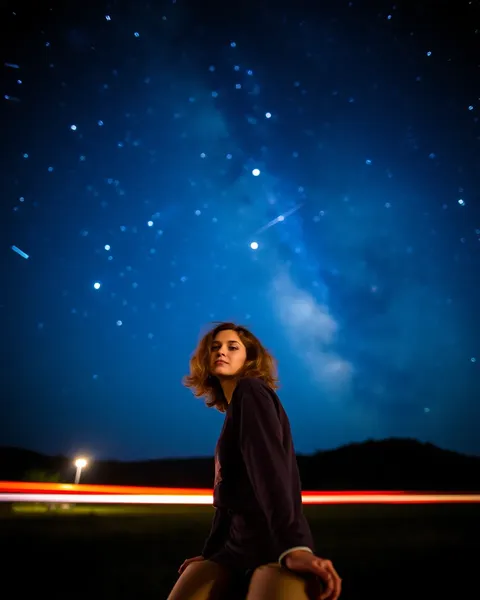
[[392, 464]]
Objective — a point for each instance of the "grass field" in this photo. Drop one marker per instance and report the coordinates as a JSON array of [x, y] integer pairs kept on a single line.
[[381, 551]]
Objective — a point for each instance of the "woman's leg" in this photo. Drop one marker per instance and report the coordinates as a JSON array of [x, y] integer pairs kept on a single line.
[[273, 582], [204, 580]]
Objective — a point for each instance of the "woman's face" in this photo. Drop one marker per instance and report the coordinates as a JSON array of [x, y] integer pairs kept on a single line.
[[227, 354]]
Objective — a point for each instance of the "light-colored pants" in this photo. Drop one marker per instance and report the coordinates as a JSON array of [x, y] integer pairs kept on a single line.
[[207, 580]]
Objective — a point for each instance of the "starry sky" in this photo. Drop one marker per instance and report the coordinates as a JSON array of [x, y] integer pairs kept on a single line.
[[310, 170]]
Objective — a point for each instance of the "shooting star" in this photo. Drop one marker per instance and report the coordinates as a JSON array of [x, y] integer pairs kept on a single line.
[[19, 252]]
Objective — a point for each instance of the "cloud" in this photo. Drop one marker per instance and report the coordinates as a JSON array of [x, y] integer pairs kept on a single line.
[[311, 329]]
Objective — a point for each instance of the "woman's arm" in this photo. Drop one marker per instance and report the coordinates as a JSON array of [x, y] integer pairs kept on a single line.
[[217, 533], [269, 466]]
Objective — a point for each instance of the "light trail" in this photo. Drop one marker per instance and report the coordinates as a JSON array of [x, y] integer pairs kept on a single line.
[[198, 499], [387, 498], [108, 498], [68, 488], [18, 491]]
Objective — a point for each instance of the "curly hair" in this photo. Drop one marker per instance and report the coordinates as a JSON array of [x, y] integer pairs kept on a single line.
[[259, 363]]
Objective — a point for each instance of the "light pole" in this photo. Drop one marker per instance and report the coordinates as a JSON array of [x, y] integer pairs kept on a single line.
[[80, 463]]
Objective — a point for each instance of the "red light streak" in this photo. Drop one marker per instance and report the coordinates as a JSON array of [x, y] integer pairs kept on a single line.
[[18, 491]]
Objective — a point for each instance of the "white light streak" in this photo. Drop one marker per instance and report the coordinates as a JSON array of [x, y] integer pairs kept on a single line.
[[280, 218], [108, 498], [207, 499]]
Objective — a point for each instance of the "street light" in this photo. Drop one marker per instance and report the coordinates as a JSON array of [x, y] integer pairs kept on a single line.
[[80, 463]]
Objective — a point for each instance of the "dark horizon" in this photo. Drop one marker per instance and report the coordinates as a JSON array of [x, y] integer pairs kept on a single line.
[[347, 446], [392, 464]]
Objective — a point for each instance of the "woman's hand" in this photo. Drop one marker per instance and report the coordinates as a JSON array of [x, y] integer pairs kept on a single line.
[[306, 562], [184, 565]]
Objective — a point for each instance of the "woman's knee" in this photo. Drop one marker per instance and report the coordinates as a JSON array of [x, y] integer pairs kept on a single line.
[[273, 582], [204, 580]]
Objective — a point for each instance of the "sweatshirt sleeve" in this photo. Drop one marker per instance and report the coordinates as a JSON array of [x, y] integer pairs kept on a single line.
[[268, 465], [217, 534]]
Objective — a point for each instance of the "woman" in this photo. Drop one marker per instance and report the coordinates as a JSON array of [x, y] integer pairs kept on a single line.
[[260, 545]]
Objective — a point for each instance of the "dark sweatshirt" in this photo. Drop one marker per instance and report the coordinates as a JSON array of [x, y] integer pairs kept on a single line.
[[257, 493]]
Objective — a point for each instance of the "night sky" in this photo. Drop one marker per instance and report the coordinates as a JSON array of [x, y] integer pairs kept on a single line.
[[312, 173]]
